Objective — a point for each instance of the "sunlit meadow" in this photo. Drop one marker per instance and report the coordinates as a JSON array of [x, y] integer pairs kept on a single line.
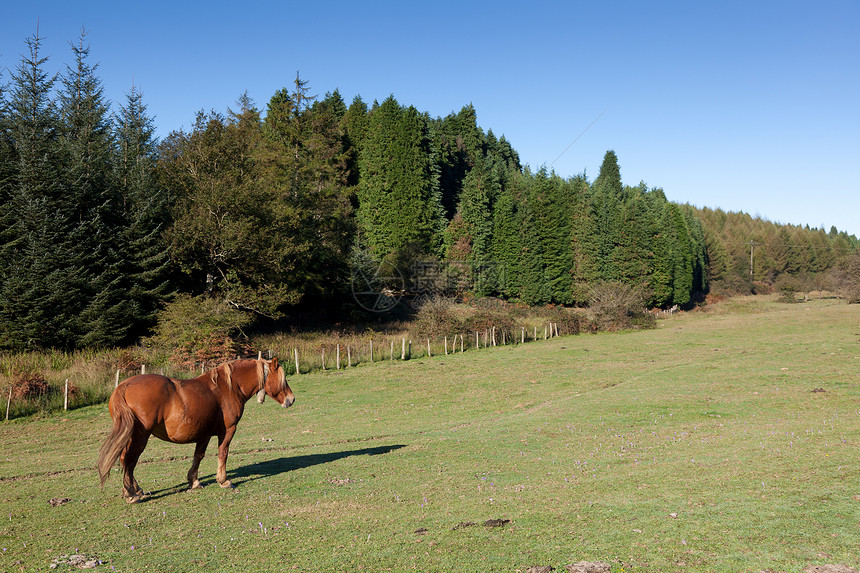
[[724, 440]]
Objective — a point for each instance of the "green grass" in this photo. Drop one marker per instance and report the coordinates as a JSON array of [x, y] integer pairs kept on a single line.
[[697, 446]]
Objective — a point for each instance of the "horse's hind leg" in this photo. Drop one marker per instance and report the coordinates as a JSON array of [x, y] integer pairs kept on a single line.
[[131, 489], [199, 452], [135, 486]]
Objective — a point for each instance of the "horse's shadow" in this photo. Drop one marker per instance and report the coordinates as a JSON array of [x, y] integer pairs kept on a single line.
[[270, 468]]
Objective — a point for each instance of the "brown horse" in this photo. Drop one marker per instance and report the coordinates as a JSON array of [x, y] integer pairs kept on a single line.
[[185, 411]]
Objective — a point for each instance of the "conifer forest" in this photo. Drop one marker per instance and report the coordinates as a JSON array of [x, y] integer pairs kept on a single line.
[[274, 211]]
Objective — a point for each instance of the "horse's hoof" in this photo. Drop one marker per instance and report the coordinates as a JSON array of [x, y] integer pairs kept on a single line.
[[134, 499], [195, 485], [227, 485]]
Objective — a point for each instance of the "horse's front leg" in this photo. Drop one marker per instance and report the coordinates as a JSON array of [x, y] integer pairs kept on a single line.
[[223, 449], [199, 452]]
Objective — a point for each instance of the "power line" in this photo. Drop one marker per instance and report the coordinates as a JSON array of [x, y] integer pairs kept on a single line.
[[578, 136]]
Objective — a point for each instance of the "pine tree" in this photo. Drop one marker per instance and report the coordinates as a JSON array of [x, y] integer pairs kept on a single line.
[[43, 291], [147, 268], [399, 213], [550, 201], [532, 263], [681, 253], [93, 203], [480, 189], [699, 252], [7, 176], [609, 177], [506, 243], [583, 245], [607, 198], [468, 237], [354, 126], [661, 268], [459, 145]]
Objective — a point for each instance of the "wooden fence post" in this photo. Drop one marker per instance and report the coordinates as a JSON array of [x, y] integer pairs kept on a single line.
[[143, 368], [66, 396], [371, 350], [461, 344], [392, 349], [297, 361], [8, 403], [403, 350], [446, 345], [323, 358], [337, 359], [116, 379], [523, 335], [428, 348], [348, 357]]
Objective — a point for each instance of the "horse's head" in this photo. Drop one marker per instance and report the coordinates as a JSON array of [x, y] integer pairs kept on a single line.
[[274, 383]]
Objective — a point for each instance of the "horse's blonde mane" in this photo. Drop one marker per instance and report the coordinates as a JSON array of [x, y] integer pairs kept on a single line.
[[224, 371]]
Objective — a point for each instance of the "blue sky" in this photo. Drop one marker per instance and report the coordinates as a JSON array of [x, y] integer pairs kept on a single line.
[[749, 106]]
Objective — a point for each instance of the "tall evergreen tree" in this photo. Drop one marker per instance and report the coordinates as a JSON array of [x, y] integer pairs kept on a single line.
[[7, 177], [147, 268], [583, 246], [698, 251], [459, 145], [607, 197], [661, 269], [506, 244], [535, 287], [550, 201], [632, 253], [354, 126], [681, 253], [399, 213], [43, 290], [93, 202], [469, 234]]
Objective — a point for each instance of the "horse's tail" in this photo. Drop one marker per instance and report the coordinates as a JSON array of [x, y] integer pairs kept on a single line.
[[119, 437]]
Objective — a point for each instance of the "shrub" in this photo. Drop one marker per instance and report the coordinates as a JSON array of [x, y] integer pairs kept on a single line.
[[788, 287], [568, 321], [200, 329], [615, 306], [487, 317], [848, 279], [437, 317], [30, 385]]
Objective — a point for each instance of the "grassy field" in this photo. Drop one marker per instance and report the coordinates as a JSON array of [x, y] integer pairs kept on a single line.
[[721, 441]]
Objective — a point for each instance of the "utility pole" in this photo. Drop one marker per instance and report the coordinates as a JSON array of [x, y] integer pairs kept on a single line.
[[752, 250]]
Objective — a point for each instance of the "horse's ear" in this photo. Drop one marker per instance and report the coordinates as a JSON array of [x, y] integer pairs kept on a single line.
[[275, 364]]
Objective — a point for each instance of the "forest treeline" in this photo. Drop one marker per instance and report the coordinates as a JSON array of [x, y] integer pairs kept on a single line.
[[271, 211]]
